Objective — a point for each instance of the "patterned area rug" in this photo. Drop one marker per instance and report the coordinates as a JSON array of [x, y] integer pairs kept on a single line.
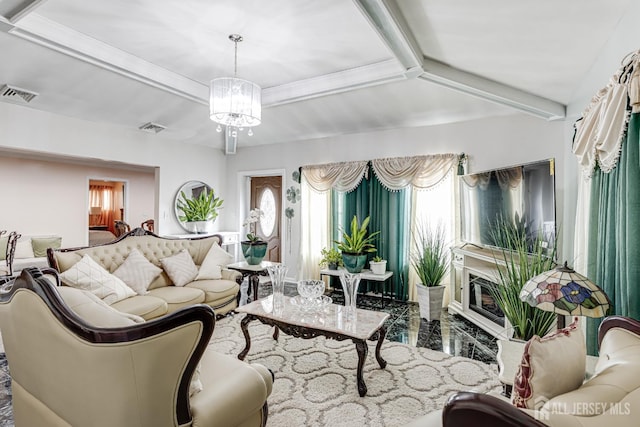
[[316, 378]]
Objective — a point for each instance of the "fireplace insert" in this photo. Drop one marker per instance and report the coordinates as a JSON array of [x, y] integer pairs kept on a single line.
[[481, 299]]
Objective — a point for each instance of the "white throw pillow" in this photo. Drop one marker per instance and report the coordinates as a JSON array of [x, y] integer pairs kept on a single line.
[[212, 264], [95, 311], [24, 248], [137, 272], [89, 275], [180, 268], [550, 366]]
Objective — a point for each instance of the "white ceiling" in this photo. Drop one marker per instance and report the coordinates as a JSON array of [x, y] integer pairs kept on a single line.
[[327, 67]]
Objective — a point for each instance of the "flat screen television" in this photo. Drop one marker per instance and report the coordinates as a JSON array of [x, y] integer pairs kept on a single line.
[[523, 195]]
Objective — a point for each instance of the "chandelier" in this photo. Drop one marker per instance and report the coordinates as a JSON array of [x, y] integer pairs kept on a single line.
[[235, 102]]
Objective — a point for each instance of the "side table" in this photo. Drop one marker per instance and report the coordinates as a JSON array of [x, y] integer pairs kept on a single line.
[[253, 272]]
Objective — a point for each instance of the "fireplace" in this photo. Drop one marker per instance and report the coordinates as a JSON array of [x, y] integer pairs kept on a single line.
[[481, 299]]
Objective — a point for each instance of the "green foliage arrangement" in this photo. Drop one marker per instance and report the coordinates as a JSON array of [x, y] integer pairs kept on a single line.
[[202, 208], [358, 242], [525, 258], [329, 256], [430, 258], [377, 258]]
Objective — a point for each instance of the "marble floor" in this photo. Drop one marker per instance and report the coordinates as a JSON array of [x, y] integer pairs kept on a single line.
[[451, 334]]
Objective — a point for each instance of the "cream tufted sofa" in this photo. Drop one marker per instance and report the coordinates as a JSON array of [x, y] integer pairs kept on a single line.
[[163, 298], [611, 397], [75, 361]]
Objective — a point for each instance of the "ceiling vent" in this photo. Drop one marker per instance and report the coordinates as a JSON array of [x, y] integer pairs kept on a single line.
[[152, 127], [17, 95]]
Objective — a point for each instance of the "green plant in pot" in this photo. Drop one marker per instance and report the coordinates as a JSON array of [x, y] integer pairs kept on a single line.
[[378, 265], [430, 261], [199, 212], [522, 256], [331, 257], [356, 245], [254, 248]]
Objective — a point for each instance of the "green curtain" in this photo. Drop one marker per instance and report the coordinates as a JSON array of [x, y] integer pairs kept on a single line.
[[614, 233], [390, 214]]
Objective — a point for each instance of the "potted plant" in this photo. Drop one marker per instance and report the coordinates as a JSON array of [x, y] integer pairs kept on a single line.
[[199, 212], [378, 265], [522, 256], [430, 260], [253, 249], [357, 245], [331, 257]]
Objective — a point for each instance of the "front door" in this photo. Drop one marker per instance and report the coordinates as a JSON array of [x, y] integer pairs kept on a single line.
[[266, 195]]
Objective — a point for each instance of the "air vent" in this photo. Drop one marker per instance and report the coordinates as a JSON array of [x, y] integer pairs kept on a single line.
[[152, 127], [17, 95]]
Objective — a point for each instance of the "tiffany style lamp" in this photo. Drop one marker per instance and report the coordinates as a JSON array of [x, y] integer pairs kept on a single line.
[[565, 292]]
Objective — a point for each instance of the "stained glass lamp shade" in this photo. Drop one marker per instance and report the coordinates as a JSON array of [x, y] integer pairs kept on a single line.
[[565, 292]]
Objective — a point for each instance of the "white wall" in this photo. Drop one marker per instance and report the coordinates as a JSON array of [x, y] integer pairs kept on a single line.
[[51, 197], [23, 128], [490, 143]]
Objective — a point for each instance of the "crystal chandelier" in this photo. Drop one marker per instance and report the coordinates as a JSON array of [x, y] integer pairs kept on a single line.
[[235, 102]]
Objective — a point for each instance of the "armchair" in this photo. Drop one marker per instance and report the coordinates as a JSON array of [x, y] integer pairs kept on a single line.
[[72, 370], [610, 397]]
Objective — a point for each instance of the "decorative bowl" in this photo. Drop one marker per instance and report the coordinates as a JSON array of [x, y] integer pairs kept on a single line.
[[310, 289]]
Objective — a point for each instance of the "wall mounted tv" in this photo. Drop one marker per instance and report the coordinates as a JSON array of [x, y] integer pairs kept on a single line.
[[523, 195]]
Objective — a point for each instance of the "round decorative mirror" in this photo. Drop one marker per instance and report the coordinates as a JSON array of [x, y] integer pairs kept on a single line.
[[193, 191]]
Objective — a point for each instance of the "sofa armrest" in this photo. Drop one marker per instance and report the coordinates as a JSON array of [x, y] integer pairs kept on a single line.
[[611, 322], [234, 275], [477, 409]]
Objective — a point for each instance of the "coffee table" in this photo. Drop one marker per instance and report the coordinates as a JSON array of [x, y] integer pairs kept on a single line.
[[332, 321]]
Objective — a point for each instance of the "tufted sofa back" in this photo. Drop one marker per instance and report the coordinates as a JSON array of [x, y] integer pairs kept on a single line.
[[154, 248]]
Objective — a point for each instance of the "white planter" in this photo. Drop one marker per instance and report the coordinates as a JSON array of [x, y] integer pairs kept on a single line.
[[200, 227], [379, 267], [430, 301]]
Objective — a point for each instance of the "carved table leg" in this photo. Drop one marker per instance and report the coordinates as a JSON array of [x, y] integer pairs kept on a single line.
[[245, 331], [254, 280], [382, 333], [362, 349], [276, 333]]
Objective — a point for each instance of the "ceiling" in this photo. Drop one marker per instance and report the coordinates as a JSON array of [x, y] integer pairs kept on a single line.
[[327, 67]]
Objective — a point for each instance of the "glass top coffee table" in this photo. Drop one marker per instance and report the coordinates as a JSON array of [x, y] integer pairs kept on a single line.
[[331, 321]]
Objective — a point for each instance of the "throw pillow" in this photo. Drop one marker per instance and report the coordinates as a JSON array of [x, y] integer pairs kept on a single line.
[[94, 311], [24, 248], [4, 241], [137, 272], [180, 268], [550, 366], [41, 244], [89, 275], [212, 264]]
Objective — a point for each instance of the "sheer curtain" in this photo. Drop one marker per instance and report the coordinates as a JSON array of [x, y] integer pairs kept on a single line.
[[109, 200], [315, 225]]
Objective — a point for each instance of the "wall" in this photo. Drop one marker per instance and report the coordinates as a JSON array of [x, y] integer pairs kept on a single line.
[[40, 132], [490, 143], [52, 197]]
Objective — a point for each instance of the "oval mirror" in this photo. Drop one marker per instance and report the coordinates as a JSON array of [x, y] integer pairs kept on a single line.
[[191, 189]]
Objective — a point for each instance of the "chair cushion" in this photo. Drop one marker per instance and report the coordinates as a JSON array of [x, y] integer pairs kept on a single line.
[[212, 264], [89, 275], [550, 366], [95, 311], [24, 249], [145, 306], [215, 289], [178, 297], [180, 268], [137, 272], [4, 241], [41, 244]]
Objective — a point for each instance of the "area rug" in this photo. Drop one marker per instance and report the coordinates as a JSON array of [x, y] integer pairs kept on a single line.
[[315, 381]]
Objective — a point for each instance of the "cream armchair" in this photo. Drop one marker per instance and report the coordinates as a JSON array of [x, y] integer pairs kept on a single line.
[[68, 367]]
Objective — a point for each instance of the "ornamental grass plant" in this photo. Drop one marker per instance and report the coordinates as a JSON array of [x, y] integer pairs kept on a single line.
[[430, 257], [521, 256]]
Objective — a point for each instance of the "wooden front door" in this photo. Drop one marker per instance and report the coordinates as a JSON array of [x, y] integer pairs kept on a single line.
[[266, 195]]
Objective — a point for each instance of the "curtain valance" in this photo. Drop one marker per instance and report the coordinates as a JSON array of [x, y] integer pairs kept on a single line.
[[603, 125], [344, 176], [422, 172]]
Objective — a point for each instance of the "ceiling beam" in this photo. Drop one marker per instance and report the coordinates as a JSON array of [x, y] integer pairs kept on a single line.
[[386, 18], [14, 10]]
